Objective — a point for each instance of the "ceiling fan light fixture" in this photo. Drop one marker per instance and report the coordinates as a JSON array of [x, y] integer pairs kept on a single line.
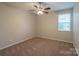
[[40, 9], [40, 12]]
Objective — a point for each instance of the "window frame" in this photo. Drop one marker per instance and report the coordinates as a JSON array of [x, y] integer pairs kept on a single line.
[[70, 22]]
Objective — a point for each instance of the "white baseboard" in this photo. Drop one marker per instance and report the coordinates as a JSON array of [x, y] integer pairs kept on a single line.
[[53, 39], [77, 50], [75, 46], [16, 43]]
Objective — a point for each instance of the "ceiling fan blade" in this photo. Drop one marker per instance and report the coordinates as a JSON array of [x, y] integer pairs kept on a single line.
[[40, 2], [47, 8], [35, 6], [46, 12]]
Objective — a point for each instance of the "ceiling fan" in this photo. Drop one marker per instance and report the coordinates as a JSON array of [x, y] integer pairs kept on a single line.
[[40, 9]]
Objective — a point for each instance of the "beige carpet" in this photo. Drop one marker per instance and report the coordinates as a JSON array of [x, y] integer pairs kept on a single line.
[[40, 47]]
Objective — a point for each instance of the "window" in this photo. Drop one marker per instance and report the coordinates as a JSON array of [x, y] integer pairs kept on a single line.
[[64, 22]]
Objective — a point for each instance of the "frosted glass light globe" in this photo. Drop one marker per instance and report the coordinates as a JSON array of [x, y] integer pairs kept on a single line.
[[39, 12]]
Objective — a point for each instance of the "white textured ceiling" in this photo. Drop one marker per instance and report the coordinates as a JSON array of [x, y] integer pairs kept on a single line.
[[61, 5], [55, 6]]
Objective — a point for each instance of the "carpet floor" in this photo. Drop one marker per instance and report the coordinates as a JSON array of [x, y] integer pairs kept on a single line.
[[40, 47]]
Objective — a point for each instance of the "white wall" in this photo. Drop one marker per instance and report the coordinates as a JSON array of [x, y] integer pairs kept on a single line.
[[48, 28], [76, 26], [15, 25]]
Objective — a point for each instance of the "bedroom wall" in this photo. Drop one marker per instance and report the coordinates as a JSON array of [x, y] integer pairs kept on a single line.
[[15, 26], [47, 28], [76, 27]]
